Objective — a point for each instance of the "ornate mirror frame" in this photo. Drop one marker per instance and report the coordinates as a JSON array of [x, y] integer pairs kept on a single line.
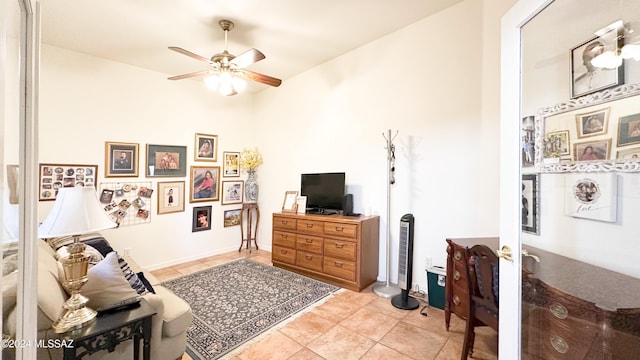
[[610, 99]]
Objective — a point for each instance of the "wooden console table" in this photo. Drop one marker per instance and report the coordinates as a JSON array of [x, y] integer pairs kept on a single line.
[[570, 309], [340, 250], [252, 229]]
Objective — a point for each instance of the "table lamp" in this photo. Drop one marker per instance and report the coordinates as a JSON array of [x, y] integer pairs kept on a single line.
[[76, 211]]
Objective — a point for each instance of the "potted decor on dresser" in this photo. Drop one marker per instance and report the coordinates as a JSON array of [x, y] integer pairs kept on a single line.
[[250, 159]]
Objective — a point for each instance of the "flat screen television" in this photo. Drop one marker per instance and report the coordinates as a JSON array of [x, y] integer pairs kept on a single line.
[[324, 192]]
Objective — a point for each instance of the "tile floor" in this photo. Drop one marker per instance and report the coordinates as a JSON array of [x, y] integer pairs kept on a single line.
[[350, 325]]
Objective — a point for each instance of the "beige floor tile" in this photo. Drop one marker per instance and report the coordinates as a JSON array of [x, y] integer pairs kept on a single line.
[[307, 328], [413, 341], [369, 323], [381, 352], [276, 346], [341, 344], [166, 274], [336, 309], [306, 354], [383, 305]]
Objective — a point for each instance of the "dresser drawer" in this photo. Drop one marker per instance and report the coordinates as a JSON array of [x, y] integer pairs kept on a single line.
[[308, 243], [284, 255], [284, 223], [311, 227], [285, 239], [340, 249], [309, 261], [340, 268], [342, 230]]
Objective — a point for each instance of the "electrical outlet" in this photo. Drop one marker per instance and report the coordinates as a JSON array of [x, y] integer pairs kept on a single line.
[[127, 251], [427, 262]]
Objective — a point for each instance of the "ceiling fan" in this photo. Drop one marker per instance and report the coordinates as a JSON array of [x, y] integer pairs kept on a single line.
[[228, 71]]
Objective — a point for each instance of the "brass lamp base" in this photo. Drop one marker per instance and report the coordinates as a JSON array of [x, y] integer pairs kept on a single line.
[[75, 315]]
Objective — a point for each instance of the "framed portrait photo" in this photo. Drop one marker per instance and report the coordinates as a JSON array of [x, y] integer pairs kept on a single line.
[[289, 203], [170, 197], [166, 160], [201, 218], [206, 147], [121, 159], [587, 78], [232, 192], [231, 165], [629, 130], [592, 150], [53, 177], [205, 183], [629, 154], [592, 123], [232, 217], [530, 206]]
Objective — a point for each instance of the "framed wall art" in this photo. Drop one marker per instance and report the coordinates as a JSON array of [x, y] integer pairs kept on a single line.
[[232, 217], [592, 123], [121, 159], [201, 218], [629, 154], [166, 160], [592, 196], [56, 176], [592, 150], [528, 141], [587, 78], [231, 165], [289, 203], [530, 205], [170, 197], [232, 192], [205, 183], [629, 130], [206, 147]]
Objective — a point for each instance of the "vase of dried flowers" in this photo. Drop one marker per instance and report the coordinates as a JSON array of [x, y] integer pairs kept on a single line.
[[250, 159]]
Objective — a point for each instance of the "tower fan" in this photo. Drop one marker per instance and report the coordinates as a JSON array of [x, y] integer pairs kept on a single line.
[[405, 265]]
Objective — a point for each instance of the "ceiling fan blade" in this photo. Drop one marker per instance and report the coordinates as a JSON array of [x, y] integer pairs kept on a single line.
[[190, 54], [247, 58], [261, 78], [190, 75]]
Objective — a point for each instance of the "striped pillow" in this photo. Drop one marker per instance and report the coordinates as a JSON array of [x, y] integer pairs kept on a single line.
[[131, 277]]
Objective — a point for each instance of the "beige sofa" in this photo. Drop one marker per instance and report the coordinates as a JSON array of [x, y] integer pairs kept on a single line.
[[173, 315]]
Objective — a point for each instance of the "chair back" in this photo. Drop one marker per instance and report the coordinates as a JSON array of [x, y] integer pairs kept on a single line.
[[484, 272]]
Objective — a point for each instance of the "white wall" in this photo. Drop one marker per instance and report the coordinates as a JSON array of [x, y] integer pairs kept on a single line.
[[435, 82]]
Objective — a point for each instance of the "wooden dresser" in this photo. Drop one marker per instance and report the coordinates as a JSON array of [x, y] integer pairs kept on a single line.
[[570, 309], [340, 250]]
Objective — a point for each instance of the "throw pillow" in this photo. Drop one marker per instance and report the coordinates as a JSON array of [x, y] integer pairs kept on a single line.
[[146, 282], [9, 293], [9, 264], [106, 285], [131, 277], [58, 242], [99, 243]]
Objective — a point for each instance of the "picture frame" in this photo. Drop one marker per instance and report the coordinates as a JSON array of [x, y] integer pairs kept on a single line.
[[201, 191], [559, 143], [201, 218], [592, 196], [289, 204], [629, 154], [528, 141], [301, 204], [205, 147], [232, 192], [629, 130], [121, 159], [592, 123], [592, 150], [170, 197], [232, 217], [530, 203], [231, 164], [586, 78], [166, 160], [55, 176]]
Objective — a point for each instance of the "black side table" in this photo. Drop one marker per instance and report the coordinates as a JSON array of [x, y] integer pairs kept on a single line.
[[109, 330]]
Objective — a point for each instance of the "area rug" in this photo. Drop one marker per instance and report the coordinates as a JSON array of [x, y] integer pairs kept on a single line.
[[235, 302]]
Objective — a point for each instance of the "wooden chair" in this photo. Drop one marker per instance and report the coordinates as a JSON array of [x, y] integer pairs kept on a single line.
[[483, 273]]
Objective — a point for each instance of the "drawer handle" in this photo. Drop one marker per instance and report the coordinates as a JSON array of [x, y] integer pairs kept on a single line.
[[284, 236], [457, 255], [339, 245], [309, 225], [559, 344], [310, 241], [339, 228], [456, 300], [338, 264], [559, 311], [283, 251], [308, 257], [285, 222], [456, 275]]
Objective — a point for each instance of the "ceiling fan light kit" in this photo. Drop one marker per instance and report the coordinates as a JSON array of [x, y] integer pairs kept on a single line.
[[611, 59], [228, 73]]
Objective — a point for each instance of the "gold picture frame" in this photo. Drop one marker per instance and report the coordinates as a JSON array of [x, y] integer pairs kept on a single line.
[[289, 203], [121, 159], [171, 197], [205, 147]]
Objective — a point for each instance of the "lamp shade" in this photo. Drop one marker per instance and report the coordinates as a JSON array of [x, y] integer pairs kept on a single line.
[[76, 211]]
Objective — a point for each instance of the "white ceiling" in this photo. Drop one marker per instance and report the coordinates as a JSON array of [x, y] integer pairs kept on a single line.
[[295, 35]]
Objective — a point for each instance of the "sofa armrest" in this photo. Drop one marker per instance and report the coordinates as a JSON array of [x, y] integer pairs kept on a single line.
[[133, 265]]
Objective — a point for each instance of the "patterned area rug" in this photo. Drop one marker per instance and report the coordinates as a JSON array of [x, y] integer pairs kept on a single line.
[[235, 302]]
